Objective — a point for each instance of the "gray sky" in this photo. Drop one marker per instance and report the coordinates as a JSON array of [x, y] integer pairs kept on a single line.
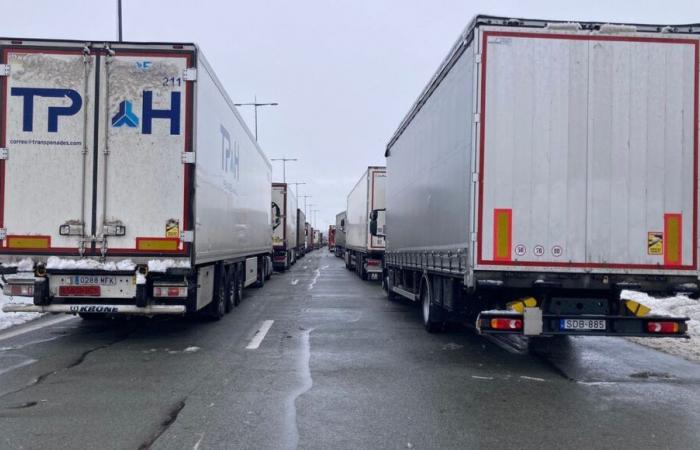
[[344, 72]]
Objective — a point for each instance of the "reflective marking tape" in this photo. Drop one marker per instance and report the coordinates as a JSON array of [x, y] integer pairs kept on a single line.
[[28, 241], [673, 239], [502, 234], [157, 244]]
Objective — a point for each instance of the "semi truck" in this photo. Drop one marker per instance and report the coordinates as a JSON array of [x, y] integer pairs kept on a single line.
[[301, 233], [331, 238], [318, 239], [364, 252], [546, 169], [129, 183], [284, 226], [309, 237], [340, 234]]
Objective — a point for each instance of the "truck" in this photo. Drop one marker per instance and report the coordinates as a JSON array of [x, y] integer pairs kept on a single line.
[[562, 172], [284, 226], [364, 252], [331, 238], [318, 239], [301, 233], [340, 234], [309, 237], [129, 183]]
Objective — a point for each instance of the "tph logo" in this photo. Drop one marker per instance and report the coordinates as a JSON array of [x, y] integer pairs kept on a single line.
[[54, 112], [230, 160], [127, 117]]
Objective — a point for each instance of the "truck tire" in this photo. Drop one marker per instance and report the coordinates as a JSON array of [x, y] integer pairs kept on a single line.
[[390, 295], [239, 287], [262, 273], [217, 308], [231, 290], [431, 312], [361, 271]]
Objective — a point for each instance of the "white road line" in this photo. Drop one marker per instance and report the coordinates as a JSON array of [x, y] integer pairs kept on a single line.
[[317, 274], [37, 326], [17, 366], [294, 283], [260, 335]]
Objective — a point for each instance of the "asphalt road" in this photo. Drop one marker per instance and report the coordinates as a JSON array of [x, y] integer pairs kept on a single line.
[[340, 367]]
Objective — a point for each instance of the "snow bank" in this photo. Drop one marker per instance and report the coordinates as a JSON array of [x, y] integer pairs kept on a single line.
[[162, 265], [10, 319], [61, 263], [672, 306]]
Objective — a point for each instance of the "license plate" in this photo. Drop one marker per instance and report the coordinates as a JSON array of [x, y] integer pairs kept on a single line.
[[583, 324], [93, 280]]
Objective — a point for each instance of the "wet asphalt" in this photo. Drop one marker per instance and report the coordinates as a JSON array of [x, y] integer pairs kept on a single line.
[[342, 368]]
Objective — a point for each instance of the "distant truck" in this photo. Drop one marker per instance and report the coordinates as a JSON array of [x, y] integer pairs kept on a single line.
[[340, 234], [318, 239], [545, 169], [301, 233], [331, 238], [284, 226], [129, 184], [364, 252], [309, 237]]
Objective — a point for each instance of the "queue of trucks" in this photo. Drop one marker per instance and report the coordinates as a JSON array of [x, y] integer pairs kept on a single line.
[[546, 169], [154, 195]]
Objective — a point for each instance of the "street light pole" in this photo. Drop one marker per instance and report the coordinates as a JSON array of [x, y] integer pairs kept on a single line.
[[119, 20], [305, 197], [256, 105], [284, 166]]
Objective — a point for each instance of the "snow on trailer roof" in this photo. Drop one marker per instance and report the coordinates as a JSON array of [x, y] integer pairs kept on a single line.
[[466, 37]]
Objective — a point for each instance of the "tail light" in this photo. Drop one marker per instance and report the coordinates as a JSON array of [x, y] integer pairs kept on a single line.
[[169, 291], [663, 327], [374, 262], [79, 291], [19, 289], [506, 324]]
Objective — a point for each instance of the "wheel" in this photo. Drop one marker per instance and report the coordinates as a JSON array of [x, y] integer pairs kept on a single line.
[[217, 307], [230, 290], [432, 320], [386, 285], [361, 268], [268, 267], [262, 274], [239, 288]]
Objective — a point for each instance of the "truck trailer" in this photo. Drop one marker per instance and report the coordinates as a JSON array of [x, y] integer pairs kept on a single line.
[[364, 252], [340, 234], [547, 168], [331, 238], [284, 226], [301, 233], [309, 237], [129, 184]]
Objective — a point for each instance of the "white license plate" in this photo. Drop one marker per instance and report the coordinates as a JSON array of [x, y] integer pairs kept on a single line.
[[582, 324], [92, 280]]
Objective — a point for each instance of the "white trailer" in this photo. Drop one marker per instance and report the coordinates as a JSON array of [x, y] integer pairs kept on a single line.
[[364, 252], [340, 234], [555, 162], [301, 233], [129, 184], [284, 226]]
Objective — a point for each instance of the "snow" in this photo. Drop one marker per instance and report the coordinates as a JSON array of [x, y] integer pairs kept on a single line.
[[672, 306], [61, 263], [24, 265], [162, 265], [10, 319]]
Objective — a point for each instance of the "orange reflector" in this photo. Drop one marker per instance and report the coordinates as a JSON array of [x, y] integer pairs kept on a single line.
[[157, 244], [673, 239], [30, 242], [502, 234]]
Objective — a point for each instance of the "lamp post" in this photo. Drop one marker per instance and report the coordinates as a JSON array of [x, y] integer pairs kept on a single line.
[[305, 197], [256, 105], [284, 166]]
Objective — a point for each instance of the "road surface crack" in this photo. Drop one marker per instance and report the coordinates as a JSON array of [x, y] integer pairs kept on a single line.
[[170, 418]]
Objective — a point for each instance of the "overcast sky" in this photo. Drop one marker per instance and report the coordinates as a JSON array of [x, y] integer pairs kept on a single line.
[[344, 72]]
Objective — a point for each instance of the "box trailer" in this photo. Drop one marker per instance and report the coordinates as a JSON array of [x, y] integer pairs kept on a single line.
[[363, 251], [331, 238], [301, 233], [340, 234], [318, 239], [129, 184], [284, 226], [546, 168]]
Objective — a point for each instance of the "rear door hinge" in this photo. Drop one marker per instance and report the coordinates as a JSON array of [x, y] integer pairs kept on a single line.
[[190, 74], [475, 177], [188, 158], [473, 236], [3, 234], [187, 236], [477, 58], [4, 70], [4, 153], [477, 117]]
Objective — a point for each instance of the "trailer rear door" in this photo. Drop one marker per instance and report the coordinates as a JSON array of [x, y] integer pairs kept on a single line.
[[588, 151]]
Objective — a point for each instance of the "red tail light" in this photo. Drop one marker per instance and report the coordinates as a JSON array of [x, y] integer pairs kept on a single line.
[[79, 291], [170, 291], [507, 324], [374, 262], [663, 327], [20, 290]]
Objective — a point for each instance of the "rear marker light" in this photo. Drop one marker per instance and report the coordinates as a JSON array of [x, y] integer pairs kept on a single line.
[[169, 291], [19, 290], [507, 324], [79, 291], [663, 327], [373, 262]]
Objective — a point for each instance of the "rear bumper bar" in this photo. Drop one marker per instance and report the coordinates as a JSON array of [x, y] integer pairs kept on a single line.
[[151, 310]]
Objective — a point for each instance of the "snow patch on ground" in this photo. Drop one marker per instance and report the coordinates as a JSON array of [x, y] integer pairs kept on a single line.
[[672, 306], [10, 319], [162, 265]]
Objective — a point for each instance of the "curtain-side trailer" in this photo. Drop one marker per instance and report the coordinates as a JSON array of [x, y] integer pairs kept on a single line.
[[364, 252], [545, 169], [129, 184]]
